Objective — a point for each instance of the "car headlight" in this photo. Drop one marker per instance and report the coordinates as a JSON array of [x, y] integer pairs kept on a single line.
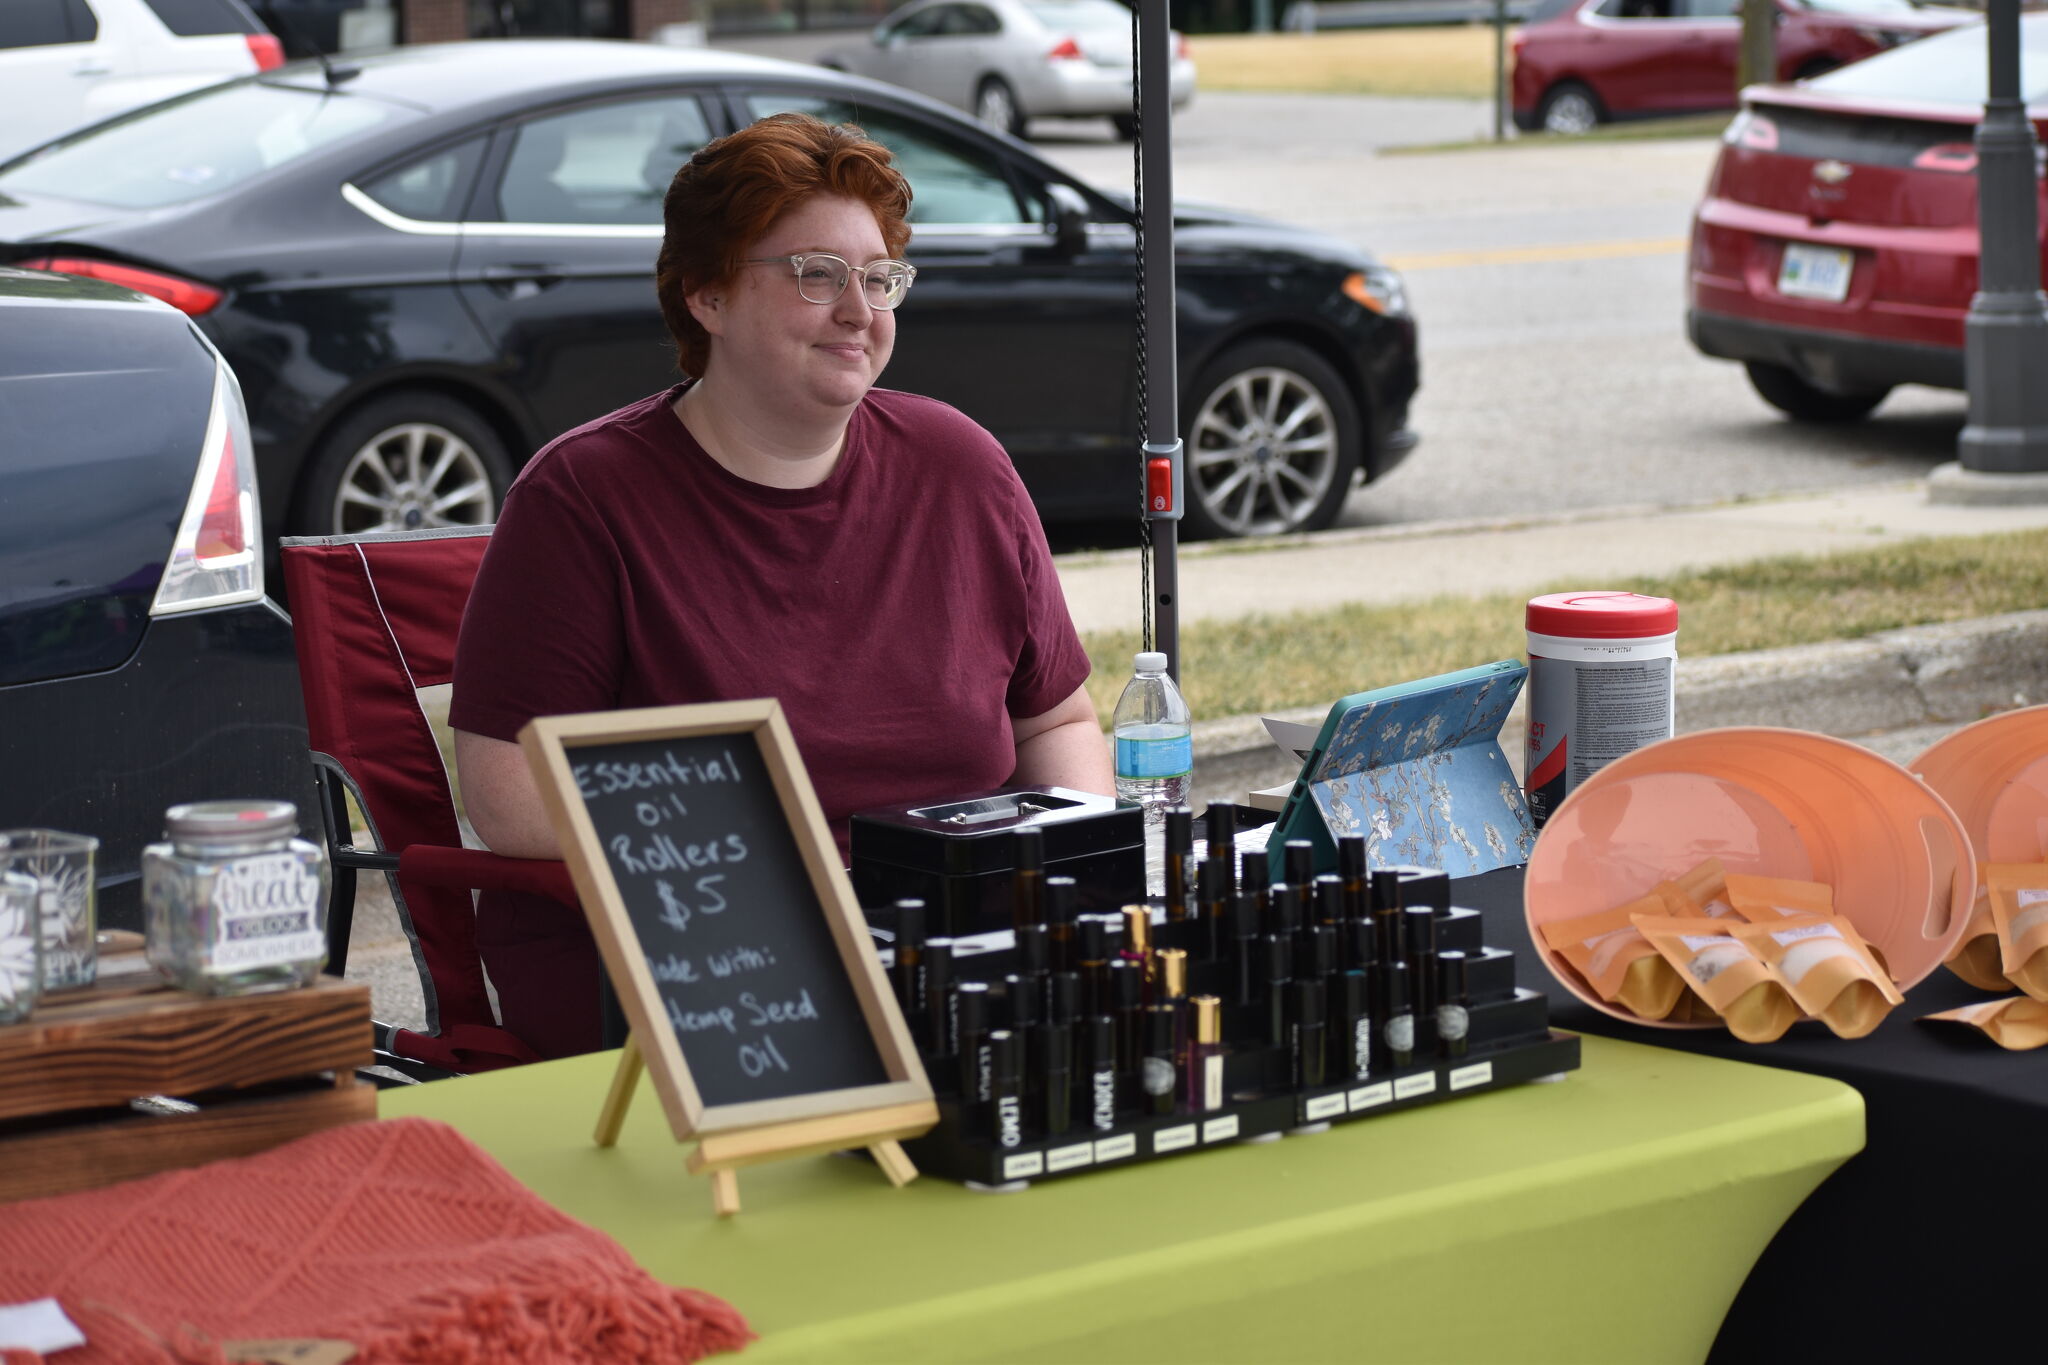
[[1378, 289]]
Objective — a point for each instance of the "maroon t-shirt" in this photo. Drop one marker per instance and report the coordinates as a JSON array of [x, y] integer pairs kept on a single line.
[[902, 611]]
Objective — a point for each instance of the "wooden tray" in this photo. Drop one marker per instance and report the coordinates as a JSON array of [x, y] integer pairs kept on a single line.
[[128, 1077]]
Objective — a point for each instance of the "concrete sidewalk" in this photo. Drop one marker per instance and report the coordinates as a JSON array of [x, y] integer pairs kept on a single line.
[[1898, 691]]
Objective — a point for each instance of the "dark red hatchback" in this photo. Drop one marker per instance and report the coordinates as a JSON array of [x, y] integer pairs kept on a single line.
[[1835, 251], [1584, 62]]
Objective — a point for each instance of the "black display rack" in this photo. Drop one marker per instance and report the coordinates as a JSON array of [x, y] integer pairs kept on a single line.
[[1509, 1042]]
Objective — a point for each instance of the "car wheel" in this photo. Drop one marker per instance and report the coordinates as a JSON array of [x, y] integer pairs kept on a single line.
[[1569, 108], [1126, 126], [1272, 440], [995, 104], [1793, 396], [405, 462]]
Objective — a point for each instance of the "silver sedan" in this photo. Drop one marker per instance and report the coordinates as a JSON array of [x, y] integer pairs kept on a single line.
[[1005, 61]]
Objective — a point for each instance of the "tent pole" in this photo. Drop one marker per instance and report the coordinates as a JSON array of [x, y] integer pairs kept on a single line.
[[1162, 434]]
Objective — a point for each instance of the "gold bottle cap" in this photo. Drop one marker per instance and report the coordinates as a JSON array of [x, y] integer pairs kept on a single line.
[[1208, 1019], [1138, 929], [1173, 971]]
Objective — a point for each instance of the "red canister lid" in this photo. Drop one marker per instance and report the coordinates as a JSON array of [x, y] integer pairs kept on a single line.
[[1602, 615]]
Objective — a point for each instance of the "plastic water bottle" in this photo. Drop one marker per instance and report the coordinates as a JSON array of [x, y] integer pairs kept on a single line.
[[1155, 755]]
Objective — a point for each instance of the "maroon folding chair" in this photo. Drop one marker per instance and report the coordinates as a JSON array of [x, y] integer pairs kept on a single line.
[[375, 619]]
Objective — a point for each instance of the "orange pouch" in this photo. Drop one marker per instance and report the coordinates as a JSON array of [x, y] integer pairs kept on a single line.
[[1616, 961], [2019, 912], [1828, 969], [1976, 958], [1763, 899], [2016, 1022], [1725, 973], [1706, 886]]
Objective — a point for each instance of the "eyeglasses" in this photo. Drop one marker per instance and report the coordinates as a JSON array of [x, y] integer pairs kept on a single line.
[[821, 277]]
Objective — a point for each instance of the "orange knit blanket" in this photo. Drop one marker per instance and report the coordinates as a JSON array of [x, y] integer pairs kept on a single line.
[[402, 1238]]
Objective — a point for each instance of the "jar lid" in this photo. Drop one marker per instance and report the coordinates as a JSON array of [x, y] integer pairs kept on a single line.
[[1602, 615], [214, 820]]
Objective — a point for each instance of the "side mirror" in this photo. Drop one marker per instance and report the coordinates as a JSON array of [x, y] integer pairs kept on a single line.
[[1069, 218]]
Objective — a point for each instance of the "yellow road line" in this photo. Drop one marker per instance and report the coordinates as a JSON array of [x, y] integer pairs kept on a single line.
[[1530, 255]]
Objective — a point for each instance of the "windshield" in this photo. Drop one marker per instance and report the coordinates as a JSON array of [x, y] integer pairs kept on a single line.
[[196, 145], [1079, 14], [1948, 68], [1875, 8]]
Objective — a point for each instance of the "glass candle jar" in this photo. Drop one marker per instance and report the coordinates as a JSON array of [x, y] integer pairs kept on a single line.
[[21, 946], [234, 903], [61, 867]]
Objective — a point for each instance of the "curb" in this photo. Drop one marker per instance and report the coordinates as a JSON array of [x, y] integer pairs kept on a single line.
[[1955, 672]]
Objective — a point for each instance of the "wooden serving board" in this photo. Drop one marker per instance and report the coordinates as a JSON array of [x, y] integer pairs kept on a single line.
[[261, 1069]]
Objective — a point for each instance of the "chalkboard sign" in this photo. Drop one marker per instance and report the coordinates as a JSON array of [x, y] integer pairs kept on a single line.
[[731, 932]]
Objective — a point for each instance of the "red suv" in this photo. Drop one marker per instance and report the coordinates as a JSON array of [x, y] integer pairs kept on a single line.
[[1589, 61], [1835, 251]]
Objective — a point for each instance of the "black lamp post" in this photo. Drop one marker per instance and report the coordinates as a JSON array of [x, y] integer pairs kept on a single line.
[[2003, 451]]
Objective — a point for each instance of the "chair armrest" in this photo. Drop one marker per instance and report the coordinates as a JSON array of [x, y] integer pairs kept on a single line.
[[484, 871]]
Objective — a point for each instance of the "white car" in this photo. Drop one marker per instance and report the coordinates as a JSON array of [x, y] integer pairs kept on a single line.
[[67, 63], [1005, 61]]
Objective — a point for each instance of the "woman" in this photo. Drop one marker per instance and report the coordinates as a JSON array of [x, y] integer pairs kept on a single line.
[[774, 527]]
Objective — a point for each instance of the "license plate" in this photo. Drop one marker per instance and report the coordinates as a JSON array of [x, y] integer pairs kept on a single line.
[[1815, 272]]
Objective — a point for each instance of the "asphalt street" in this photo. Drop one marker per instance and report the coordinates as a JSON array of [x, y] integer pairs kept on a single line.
[[1548, 281]]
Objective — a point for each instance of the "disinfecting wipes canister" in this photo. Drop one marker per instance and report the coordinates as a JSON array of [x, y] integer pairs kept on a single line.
[[1602, 672]]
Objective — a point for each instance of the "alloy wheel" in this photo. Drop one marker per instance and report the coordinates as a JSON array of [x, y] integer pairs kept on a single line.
[[997, 107], [1262, 451], [413, 477], [1570, 112]]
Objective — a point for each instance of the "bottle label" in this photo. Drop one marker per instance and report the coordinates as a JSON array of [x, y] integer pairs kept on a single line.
[[264, 913], [1452, 1022], [1150, 758], [1156, 1075]]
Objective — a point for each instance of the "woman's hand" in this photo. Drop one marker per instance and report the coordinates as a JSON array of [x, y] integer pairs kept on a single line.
[[500, 798], [1062, 748]]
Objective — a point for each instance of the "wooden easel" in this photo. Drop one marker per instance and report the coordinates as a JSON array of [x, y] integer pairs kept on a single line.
[[722, 1154]]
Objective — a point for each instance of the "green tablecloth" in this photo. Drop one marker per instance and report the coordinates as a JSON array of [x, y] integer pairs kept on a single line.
[[1609, 1216]]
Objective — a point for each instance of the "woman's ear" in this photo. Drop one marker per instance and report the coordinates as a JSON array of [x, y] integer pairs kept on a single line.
[[707, 305]]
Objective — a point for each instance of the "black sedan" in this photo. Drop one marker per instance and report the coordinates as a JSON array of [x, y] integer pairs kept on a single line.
[[427, 263], [141, 664]]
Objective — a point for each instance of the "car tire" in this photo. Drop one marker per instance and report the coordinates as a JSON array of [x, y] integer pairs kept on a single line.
[[1126, 126], [1569, 108], [406, 461], [995, 104], [1240, 408], [1797, 399]]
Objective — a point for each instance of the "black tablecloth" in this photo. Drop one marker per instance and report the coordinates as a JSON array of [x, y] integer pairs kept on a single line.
[[1930, 1244]]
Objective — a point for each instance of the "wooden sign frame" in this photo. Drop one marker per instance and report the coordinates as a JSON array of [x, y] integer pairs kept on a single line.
[[786, 1126]]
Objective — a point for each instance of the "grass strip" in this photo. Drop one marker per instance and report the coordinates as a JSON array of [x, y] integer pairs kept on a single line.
[[1447, 61], [1272, 663]]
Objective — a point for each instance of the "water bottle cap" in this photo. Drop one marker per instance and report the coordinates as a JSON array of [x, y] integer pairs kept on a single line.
[[1151, 661]]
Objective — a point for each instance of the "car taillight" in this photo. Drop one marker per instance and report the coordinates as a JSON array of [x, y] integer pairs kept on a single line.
[[1960, 157], [223, 529], [1515, 43], [267, 50], [1065, 50], [1180, 47], [215, 559], [187, 296]]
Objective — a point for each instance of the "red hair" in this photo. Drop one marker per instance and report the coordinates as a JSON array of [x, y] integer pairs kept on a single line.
[[727, 196]]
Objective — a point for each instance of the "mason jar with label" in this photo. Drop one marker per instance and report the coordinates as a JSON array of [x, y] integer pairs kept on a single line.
[[234, 903]]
